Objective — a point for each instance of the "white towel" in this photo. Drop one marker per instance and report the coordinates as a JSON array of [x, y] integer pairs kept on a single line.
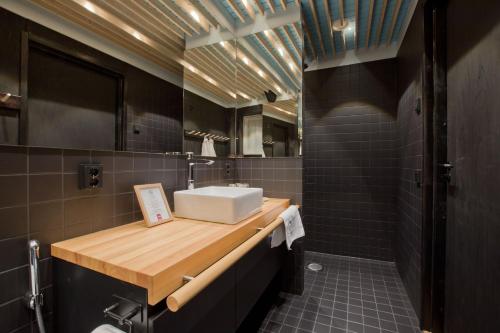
[[211, 147], [107, 329], [205, 150], [290, 230]]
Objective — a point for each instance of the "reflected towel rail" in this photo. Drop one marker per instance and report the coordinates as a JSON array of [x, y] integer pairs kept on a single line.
[[194, 286], [9, 101], [202, 134]]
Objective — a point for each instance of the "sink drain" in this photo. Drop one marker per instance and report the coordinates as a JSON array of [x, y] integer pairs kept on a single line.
[[315, 267]]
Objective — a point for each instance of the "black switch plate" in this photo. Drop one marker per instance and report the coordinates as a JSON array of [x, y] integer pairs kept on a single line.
[[91, 176]]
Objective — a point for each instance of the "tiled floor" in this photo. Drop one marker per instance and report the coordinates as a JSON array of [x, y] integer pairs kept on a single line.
[[348, 295]]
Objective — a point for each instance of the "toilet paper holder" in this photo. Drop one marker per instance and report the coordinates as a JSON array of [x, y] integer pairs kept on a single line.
[[124, 317]]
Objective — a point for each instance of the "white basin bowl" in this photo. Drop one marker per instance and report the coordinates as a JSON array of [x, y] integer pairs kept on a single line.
[[228, 205]]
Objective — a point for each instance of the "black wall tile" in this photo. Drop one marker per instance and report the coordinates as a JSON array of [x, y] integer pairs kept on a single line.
[[46, 216], [14, 284], [45, 187], [73, 158], [408, 246], [42, 160], [13, 253], [14, 191], [350, 155], [13, 160], [14, 314], [13, 222]]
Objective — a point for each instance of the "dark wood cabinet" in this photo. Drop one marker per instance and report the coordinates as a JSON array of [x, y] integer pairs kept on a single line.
[[82, 295]]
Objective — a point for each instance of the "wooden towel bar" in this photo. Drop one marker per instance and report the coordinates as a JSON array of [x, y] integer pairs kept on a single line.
[[195, 285]]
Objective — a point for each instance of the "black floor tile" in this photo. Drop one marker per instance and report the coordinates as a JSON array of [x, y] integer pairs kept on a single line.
[[349, 295]]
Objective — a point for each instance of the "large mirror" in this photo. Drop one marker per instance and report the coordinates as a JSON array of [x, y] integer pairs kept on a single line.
[[268, 81], [242, 96], [210, 99]]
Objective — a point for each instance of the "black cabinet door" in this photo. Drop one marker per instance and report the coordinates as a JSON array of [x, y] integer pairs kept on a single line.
[[254, 272], [213, 310]]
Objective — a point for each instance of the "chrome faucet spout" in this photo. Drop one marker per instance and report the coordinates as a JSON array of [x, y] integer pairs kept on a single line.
[[191, 163]]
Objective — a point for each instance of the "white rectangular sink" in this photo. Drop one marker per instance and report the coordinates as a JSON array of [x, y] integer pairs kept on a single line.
[[228, 205]]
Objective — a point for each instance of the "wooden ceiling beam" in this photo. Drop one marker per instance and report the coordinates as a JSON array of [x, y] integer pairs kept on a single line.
[[395, 15], [342, 18], [141, 24], [206, 14], [156, 19], [328, 14], [381, 23], [105, 29], [271, 6], [273, 53], [210, 67], [259, 7], [356, 23], [369, 27], [249, 9], [236, 9], [317, 27], [283, 4], [130, 32], [210, 88], [169, 5], [293, 42], [309, 39], [270, 77], [169, 17], [281, 43]]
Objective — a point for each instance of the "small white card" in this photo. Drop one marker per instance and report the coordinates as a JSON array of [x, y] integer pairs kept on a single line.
[[153, 202]]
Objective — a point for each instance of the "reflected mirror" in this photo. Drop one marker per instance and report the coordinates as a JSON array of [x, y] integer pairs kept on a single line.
[[210, 99], [268, 81], [242, 96]]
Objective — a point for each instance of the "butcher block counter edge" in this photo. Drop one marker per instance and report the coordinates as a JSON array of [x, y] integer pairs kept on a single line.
[[157, 258]]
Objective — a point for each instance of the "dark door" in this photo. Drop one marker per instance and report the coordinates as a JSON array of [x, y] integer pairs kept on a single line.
[[280, 141], [472, 288]]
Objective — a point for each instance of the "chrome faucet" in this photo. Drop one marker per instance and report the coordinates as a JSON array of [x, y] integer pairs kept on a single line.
[[191, 163]]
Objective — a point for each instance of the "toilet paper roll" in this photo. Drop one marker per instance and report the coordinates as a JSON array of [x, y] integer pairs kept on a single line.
[[107, 329]]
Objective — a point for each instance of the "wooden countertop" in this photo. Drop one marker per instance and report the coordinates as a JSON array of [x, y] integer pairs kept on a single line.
[[157, 258]]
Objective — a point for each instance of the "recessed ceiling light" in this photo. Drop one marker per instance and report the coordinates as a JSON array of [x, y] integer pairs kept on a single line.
[[195, 16], [88, 6], [222, 43], [245, 60], [280, 50], [137, 35], [290, 64], [261, 73]]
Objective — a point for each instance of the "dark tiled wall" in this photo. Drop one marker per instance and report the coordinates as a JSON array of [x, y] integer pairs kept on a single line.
[[351, 159], [279, 177], [408, 245], [39, 198]]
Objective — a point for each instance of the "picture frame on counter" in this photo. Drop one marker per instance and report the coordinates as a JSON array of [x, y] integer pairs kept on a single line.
[[153, 203]]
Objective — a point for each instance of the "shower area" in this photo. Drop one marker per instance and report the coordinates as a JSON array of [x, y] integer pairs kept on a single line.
[[362, 196]]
